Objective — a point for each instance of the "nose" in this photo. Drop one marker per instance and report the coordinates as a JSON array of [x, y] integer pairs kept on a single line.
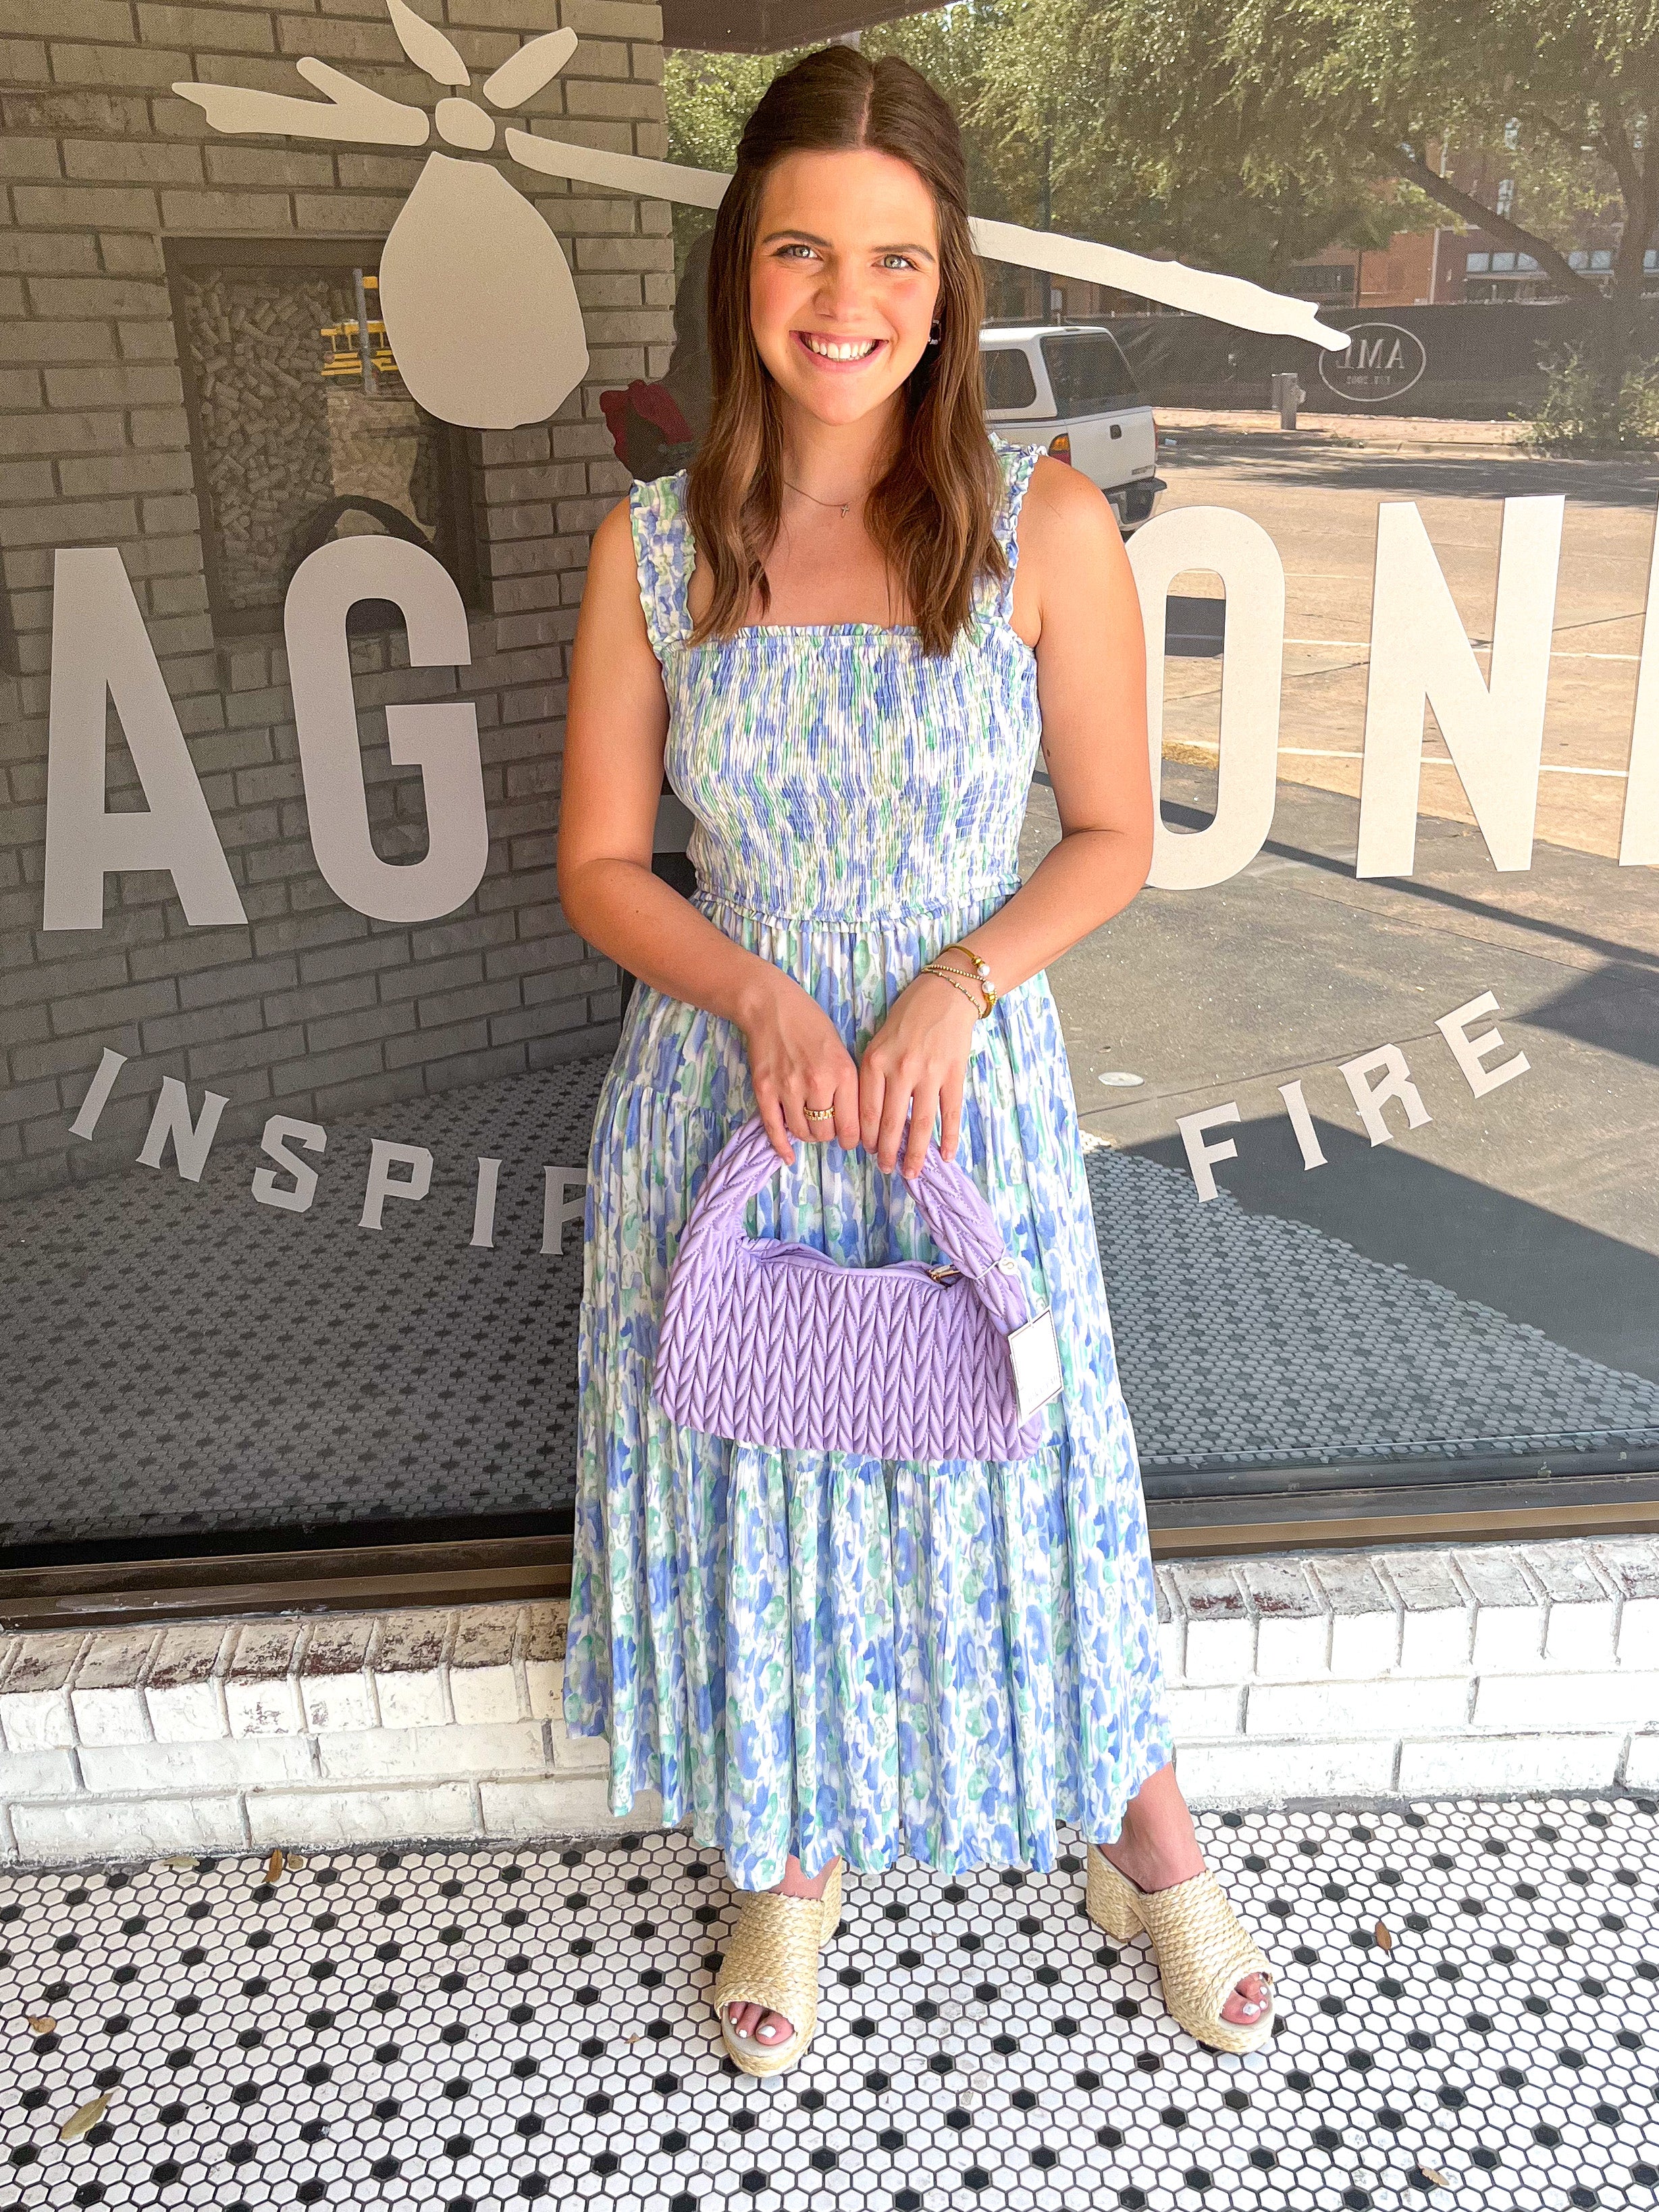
[[840, 295]]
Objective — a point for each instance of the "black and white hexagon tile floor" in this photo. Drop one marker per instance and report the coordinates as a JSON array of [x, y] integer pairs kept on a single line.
[[1468, 2020]]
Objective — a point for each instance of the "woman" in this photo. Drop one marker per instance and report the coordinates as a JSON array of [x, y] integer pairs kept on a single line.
[[847, 628]]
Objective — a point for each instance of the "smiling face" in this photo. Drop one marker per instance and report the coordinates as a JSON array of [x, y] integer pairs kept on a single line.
[[844, 279]]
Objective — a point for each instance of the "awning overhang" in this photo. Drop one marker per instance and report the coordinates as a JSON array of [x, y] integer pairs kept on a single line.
[[767, 27]]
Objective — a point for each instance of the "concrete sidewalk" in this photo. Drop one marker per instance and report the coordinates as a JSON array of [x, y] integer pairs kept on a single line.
[[1203, 426]]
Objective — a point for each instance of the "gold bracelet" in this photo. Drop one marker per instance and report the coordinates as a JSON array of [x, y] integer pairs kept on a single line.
[[951, 976], [980, 970], [981, 1003]]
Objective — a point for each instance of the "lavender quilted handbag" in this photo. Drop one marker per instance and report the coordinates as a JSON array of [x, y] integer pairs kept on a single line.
[[776, 1344]]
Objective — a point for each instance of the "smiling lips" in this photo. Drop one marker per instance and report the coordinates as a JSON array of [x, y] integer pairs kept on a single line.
[[840, 352]]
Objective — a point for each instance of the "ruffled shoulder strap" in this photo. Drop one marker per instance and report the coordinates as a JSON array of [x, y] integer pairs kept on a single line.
[[662, 556], [1017, 463]]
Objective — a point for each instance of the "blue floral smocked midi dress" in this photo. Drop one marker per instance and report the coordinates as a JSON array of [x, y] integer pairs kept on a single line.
[[817, 1652]]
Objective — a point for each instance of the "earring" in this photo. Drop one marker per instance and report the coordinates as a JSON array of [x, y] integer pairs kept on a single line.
[[935, 332]]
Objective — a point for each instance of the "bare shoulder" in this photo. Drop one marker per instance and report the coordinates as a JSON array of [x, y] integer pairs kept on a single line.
[[1065, 517], [613, 542], [612, 624], [611, 590], [1070, 546]]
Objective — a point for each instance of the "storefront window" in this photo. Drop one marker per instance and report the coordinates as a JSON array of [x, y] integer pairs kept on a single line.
[[291, 1153], [304, 428]]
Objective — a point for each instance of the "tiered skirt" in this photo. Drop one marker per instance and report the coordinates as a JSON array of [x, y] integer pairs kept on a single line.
[[815, 1652]]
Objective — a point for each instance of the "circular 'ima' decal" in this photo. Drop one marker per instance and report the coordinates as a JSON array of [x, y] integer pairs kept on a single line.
[[1384, 360]]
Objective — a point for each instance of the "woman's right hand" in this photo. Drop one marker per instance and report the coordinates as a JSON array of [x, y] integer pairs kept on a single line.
[[797, 1060]]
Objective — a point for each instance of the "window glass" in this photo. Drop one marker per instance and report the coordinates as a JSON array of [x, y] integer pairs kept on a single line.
[[1008, 378], [296, 1107], [305, 430], [1088, 372]]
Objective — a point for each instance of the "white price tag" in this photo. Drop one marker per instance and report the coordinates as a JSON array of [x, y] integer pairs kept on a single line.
[[1036, 1355]]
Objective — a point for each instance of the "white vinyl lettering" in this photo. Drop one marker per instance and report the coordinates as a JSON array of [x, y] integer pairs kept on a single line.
[[1638, 835], [1472, 1052], [1201, 1156], [1238, 550], [101, 651], [440, 739], [483, 1208], [1421, 658], [281, 1130], [191, 1141], [558, 1212], [383, 1185], [1307, 1137], [1388, 1063], [103, 1082]]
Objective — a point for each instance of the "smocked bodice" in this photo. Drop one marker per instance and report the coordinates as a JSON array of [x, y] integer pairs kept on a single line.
[[834, 770]]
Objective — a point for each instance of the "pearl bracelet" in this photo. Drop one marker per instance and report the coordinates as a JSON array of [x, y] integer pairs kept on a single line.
[[981, 969], [952, 976]]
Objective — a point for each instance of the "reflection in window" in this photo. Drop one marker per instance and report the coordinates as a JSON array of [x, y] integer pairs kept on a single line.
[[304, 432], [1008, 378], [1088, 372]]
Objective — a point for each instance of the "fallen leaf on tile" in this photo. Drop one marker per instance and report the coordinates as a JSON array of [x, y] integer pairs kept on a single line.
[[1435, 2179], [42, 2024], [84, 2118], [181, 1865], [273, 1866], [1383, 1939]]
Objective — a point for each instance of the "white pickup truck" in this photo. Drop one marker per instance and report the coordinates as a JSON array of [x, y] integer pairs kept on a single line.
[[1068, 388]]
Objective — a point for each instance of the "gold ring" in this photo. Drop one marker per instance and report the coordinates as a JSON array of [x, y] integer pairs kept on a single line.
[[819, 1113]]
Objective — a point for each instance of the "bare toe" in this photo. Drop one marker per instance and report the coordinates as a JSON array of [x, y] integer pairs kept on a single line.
[[774, 2028], [1247, 2003]]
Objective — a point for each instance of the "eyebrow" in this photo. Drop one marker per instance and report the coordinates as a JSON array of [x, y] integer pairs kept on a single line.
[[813, 239]]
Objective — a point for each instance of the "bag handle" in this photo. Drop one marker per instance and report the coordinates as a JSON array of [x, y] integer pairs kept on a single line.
[[959, 1219]]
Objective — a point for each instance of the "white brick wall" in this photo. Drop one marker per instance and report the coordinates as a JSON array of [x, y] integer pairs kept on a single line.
[[228, 1735], [1478, 1670], [1474, 1669], [305, 1006]]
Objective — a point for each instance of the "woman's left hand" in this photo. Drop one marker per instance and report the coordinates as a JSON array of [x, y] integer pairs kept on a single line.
[[916, 1064]]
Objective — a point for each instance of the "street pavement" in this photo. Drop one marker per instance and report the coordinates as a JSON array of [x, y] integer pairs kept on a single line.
[[1542, 1198]]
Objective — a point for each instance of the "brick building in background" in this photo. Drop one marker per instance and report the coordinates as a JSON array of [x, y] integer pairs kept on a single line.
[[164, 294], [1449, 266]]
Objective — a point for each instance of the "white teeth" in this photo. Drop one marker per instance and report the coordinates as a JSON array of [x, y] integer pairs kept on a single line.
[[848, 349]]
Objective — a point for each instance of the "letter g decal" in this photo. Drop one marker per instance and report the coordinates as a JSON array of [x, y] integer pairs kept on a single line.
[[440, 739]]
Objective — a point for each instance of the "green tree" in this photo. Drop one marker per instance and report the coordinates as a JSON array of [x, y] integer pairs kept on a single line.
[[1063, 106], [1070, 104], [709, 98], [1576, 86], [1566, 93]]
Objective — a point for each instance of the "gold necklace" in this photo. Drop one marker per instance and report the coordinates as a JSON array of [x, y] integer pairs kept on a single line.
[[844, 504]]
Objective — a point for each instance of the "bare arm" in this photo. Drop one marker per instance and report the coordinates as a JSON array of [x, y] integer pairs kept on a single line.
[[1074, 588], [1091, 685], [616, 726]]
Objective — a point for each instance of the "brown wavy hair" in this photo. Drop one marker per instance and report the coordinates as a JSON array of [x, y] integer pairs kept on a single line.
[[932, 512]]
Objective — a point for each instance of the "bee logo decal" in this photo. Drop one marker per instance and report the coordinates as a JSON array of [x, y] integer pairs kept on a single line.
[[468, 252]]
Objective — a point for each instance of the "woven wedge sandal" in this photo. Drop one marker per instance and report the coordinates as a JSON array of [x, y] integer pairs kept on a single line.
[[772, 1959], [1201, 1946]]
